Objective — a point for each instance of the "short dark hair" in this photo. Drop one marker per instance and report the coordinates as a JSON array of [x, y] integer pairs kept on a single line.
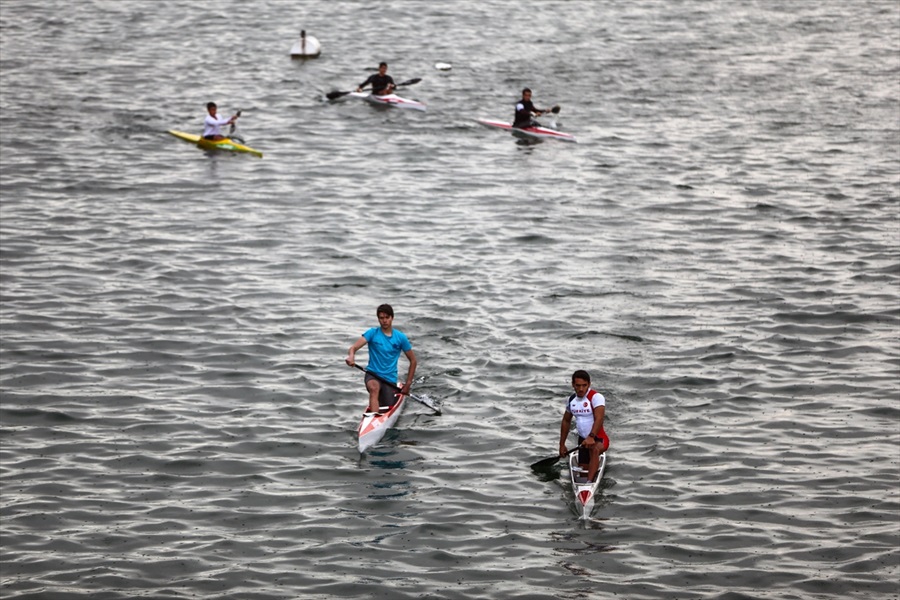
[[386, 309], [382, 64], [210, 105], [581, 374], [526, 90]]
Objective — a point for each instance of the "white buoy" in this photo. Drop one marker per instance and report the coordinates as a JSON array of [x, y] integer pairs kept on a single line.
[[306, 47], [442, 66]]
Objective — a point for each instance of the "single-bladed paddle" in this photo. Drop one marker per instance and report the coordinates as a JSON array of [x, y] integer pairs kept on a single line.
[[551, 460], [426, 402]]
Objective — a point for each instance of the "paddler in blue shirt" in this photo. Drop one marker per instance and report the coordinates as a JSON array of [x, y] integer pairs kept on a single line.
[[385, 346], [587, 406], [382, 83], [212, 123], [525, 110]]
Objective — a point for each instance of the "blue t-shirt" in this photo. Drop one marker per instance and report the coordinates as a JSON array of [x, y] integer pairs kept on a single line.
[[384, 351]]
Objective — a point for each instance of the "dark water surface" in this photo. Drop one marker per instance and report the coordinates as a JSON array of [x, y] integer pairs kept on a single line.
[[720, 250]]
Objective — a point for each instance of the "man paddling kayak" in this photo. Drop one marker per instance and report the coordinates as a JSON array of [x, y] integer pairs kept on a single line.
[[212, 123], [525, 110], [588, 407], [382, 83], [385, 346]]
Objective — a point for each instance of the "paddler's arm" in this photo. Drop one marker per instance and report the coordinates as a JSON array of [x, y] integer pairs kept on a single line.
[[411, 357], [564, 432], [225, 120], [596, 427], [351, 353]]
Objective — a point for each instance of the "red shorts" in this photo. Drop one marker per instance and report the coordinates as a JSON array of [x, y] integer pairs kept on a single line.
[[584, 455]]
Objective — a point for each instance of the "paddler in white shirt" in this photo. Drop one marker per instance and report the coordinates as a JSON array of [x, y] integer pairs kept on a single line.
[[588, 407], [212, 123]]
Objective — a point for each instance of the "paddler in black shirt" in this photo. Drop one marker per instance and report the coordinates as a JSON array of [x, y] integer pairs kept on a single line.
[[382, 83], [525, 110]]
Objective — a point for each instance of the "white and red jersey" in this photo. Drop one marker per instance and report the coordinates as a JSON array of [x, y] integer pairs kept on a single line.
[[582, 408]]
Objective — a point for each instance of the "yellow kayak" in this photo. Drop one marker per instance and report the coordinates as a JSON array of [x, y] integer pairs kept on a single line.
[[224, 144]]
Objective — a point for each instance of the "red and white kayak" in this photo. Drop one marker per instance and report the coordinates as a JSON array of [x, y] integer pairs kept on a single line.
[[388, 100], [585, 491], [541, 133], [373, 426]]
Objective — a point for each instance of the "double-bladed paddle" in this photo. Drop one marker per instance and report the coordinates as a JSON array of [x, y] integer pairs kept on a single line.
[[233, 126], [336, 94], [551, 460], [426, 402]]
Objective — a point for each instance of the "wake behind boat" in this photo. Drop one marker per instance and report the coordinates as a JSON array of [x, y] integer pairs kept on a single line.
[[585, 491], [373, 426], [541, 133], [226, 144], [388, 100]]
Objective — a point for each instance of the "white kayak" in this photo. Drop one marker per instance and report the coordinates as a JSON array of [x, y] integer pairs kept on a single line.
[[585, 491], [373, 426], [541, 133], [306, 47], [388, 100]]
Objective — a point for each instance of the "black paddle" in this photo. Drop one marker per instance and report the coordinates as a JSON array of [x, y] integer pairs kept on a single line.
[[233, 125], [427, 403], [335, 95], [549, 461]]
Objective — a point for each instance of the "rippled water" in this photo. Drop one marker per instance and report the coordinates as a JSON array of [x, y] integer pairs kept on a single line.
[[720, 250]]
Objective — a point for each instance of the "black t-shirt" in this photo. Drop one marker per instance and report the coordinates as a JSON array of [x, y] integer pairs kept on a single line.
[[379, 82], [524, 108]]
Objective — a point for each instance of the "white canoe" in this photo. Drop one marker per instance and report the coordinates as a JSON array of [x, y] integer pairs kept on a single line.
[[388, 100], [541, 133], [585, 491], [373, 426], [306, 47]]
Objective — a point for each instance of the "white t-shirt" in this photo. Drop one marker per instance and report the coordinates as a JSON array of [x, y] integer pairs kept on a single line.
[[211, 125], [583, 410]]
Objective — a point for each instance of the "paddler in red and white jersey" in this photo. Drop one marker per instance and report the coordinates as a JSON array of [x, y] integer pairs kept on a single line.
[[588, 407]]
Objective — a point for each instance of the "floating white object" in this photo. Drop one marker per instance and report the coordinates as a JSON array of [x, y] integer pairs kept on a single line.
[[306, 47], [442, 66]]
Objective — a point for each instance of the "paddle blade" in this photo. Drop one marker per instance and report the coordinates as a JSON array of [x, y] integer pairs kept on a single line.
[[410, 81], [427, 402], [545, 463], [233, 125], [555, 110], [335, 95]]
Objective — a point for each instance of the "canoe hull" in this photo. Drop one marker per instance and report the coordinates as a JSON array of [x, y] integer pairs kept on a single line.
[[372, 427], [392, 100], [226, 144], [539, 133], [585, 491]]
